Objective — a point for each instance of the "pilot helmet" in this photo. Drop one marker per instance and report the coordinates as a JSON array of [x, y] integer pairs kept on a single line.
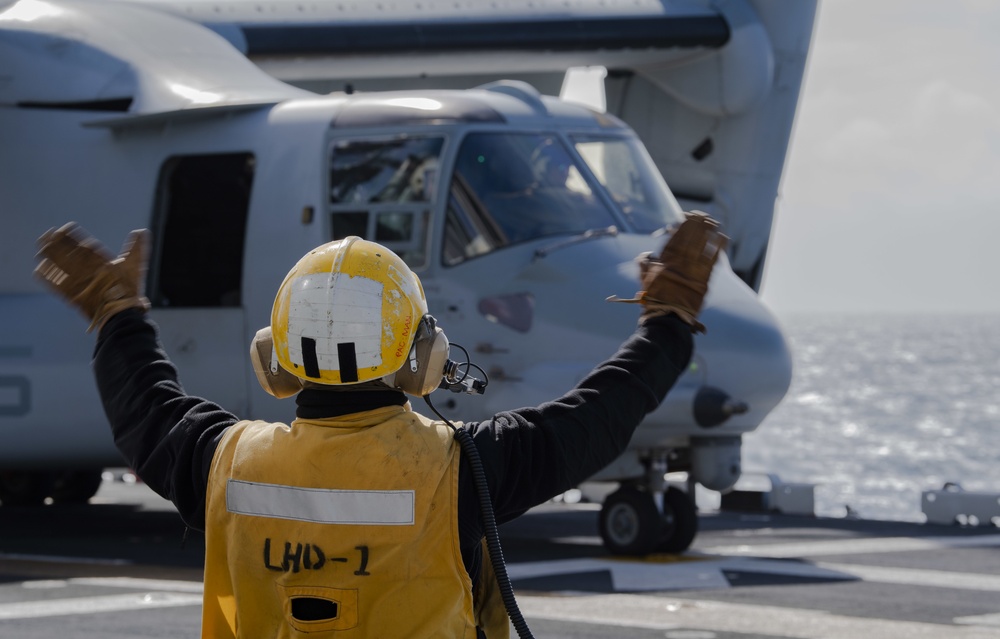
[[349, 312], [550, 162]]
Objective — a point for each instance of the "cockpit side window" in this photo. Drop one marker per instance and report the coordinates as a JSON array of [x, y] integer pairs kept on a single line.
[[402, 169], [625, 169], [383, 189], [509, 188]]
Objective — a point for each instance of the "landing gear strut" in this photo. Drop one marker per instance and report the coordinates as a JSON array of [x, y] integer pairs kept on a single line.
[[648, 516]]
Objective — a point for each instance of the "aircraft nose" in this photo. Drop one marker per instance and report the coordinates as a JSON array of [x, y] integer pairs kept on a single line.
[[744, 356], [713, 406]]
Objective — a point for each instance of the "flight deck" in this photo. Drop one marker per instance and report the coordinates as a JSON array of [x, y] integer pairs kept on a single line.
[[124, 566]]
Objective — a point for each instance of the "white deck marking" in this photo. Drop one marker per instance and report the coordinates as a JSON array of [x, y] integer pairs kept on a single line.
[[852, 546], [632, 576], [57, 559], [159, 593], [90, 605], [136, 583], [980, 620], [645, 576], [644, 611], [917, 577]]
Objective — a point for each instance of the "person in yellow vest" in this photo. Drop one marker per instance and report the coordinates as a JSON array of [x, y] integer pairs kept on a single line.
[[360, 518]]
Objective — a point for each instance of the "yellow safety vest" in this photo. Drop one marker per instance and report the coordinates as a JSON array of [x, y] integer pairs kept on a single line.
[[343, 527]]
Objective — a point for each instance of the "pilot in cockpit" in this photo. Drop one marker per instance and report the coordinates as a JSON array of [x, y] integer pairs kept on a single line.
[[529, 186], [550, 165], [559, 187]]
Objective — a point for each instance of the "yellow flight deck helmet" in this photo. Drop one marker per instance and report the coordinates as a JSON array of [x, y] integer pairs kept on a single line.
[[346, 313]]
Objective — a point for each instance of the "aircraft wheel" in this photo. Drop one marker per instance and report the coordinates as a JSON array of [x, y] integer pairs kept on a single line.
[[24, 487], [680, 518], [76, 486], [630, 523]]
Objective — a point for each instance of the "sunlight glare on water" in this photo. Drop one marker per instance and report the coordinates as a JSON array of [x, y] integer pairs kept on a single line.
[[883, 407]]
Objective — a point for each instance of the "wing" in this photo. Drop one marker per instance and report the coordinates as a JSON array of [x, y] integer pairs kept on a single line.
[[711, 88]]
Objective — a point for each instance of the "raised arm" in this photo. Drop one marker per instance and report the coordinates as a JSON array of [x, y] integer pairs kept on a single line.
[[533, 454], [166, 436]]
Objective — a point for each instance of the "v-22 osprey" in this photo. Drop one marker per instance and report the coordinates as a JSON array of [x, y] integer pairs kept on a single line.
[[520, 212]]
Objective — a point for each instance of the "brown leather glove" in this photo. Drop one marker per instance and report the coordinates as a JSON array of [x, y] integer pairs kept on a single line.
[[677, 281], [82, 271]]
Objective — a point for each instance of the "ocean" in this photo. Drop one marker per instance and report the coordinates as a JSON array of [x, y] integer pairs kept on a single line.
[[883, 407]]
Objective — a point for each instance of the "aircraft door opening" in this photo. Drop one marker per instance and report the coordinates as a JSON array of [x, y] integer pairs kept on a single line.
[[196, 272]]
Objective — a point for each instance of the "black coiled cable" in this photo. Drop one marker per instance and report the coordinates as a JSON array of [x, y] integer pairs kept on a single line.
[[468, 447]]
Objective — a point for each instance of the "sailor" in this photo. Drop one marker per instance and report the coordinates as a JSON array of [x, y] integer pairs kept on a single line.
[[360, 517]]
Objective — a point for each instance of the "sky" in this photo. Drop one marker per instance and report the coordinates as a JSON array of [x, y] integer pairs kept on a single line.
[[890, 199]]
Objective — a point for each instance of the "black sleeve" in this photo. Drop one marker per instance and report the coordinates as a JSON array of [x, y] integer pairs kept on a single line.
[[532, 454], [167, 437]]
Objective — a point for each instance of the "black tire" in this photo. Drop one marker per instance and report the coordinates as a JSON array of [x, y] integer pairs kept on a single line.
[[76, 486], [680, 520], [24, 487], [630, 523]]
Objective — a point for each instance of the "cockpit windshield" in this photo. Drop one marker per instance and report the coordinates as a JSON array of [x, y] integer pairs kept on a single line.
[[506, 188], [509, 188], [625, 169]]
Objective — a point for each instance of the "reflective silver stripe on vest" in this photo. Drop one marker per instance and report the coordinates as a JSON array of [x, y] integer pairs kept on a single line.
[[383, 507]]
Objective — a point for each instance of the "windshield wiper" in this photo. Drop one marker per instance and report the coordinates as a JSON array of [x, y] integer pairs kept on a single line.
[[609, 231]]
